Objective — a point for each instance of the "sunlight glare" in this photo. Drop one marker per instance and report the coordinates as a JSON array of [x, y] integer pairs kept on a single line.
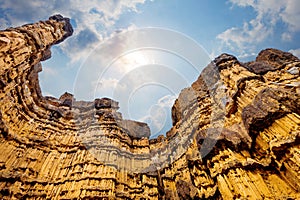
[[133, 60]]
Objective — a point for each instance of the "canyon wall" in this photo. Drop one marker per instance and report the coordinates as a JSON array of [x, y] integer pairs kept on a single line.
[[235, 132]]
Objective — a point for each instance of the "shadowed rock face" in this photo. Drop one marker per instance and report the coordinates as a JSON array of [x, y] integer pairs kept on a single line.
[[235, 132]]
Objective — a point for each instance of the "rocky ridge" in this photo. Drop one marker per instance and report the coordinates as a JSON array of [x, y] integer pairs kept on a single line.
[[235, 132]]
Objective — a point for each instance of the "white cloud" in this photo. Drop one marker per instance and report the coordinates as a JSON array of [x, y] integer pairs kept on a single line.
[[95, 19], [268, 14], [3, 23], [107, 87], [125, 57], [242, 38], [84, 13], [159, 115], [291, 14], [46, 93], [286, 36], [49, 71], [295, 52], [167, 101]]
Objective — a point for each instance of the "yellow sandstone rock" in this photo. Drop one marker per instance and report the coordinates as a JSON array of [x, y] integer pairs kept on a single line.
[[235, 132]]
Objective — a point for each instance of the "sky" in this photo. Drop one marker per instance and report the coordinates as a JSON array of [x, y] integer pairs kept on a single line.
[[142, 53]]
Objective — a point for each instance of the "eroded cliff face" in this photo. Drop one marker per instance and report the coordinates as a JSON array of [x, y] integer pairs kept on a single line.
[[235, 132]]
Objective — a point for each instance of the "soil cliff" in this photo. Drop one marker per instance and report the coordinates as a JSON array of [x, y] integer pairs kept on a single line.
[[235, 132]]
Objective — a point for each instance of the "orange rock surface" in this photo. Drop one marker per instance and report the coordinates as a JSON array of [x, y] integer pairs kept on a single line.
[[235, 132]]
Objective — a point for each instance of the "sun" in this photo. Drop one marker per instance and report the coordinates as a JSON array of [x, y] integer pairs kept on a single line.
[[133, 60]]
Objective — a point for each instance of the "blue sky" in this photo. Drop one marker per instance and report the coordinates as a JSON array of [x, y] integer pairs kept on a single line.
[[106, 56]]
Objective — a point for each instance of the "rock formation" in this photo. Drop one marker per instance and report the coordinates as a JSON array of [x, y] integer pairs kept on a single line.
[[235, 132]]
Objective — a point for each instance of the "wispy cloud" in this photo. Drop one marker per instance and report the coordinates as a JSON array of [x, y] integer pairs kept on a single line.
[[246, 37], [295, 52], [286, 37], [291, 14], [159, 115], [268, 14], [93, 20]]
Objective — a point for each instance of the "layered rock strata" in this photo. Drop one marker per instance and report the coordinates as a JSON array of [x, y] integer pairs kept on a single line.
[[235, 132]]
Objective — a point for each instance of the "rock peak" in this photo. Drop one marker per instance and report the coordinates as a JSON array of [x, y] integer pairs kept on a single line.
[[67, 28]]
